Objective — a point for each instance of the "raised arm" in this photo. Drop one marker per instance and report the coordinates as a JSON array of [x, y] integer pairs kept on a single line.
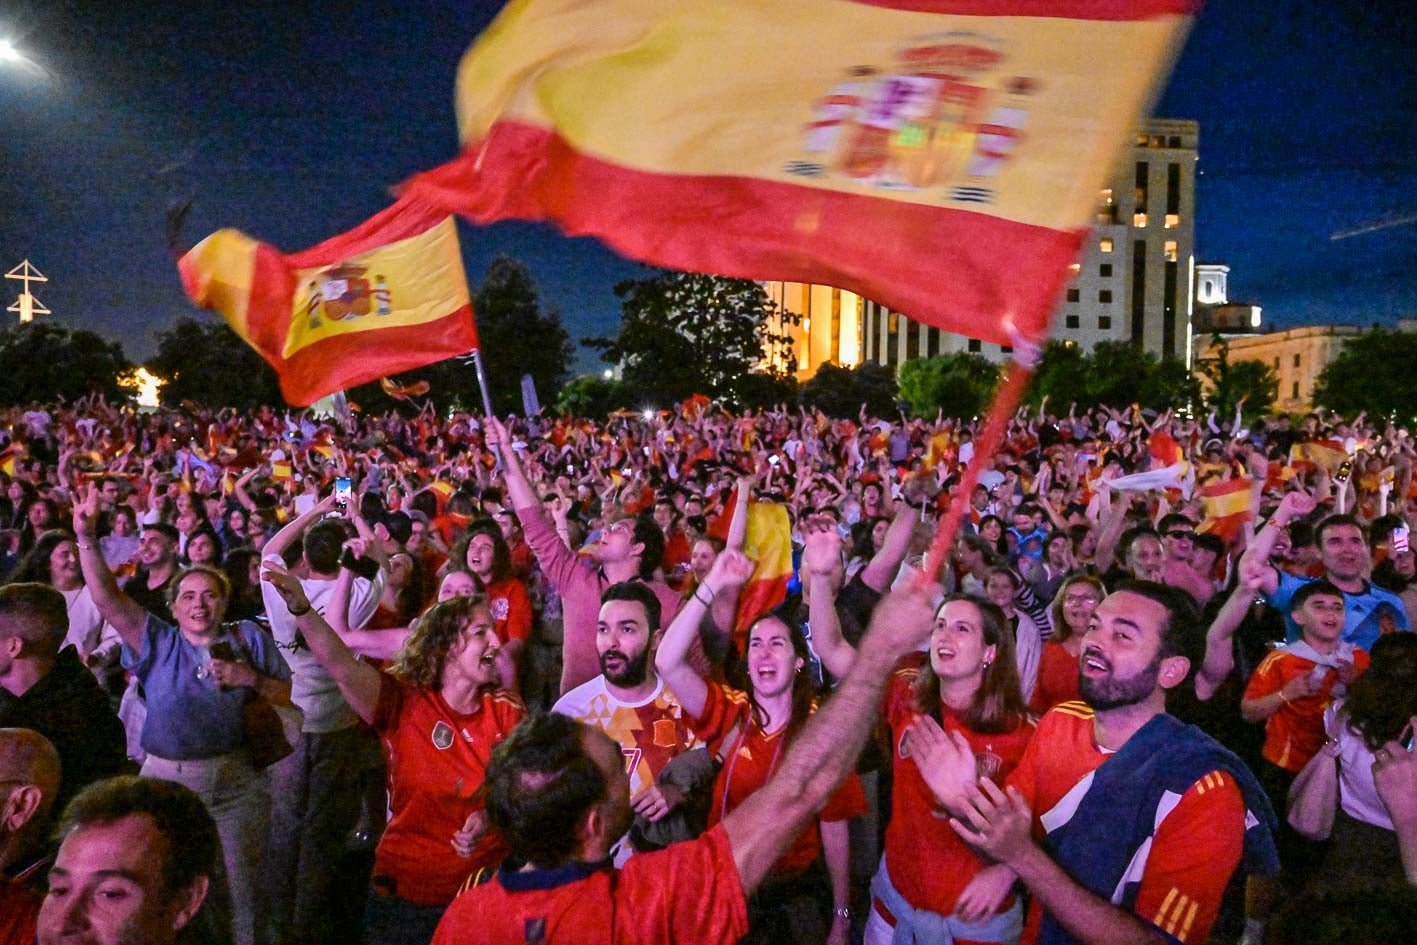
[[821, 564], [519, 490], [1114, 521], [1293, 505], [1220, 638], [825, 751], [358, 681], [881, 570], [124, 614], [671, 659], [294, 530]]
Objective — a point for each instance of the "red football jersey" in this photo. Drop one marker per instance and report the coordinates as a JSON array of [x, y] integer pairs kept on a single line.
[[1195, 848], [510, 605], [437, 761], [749, 761], [1295, 733], [1057, 678], [688, 894], [928, 863]]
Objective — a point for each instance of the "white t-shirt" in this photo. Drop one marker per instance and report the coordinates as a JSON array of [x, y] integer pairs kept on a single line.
[[312, 688], [1358, 795], [88, 633]]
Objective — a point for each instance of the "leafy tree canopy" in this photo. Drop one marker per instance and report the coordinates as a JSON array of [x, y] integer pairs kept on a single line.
[[685, 333], [208, 363], [958, 384], [45, 360], [840, 391], [518, 336], [1226, 381], [1374, 372]]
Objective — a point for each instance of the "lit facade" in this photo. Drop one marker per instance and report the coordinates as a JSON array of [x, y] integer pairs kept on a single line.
[[1134, 282], [1297, 357]]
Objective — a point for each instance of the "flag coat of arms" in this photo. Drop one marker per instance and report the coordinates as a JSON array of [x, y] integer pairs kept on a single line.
[[386, 297], [943, 158]]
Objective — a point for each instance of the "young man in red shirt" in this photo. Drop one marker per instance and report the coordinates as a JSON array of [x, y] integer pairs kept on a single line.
[[559, 795], [1124, 823]]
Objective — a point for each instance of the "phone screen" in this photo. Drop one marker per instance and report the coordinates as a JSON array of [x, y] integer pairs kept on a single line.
[[342, 491], [1399, 540]]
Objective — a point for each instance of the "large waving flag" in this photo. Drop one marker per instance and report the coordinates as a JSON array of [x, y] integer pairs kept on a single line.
[[943, 158], [386, 297], [1227, 506]]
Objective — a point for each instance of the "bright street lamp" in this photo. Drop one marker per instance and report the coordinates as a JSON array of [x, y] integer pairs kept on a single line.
[[10, 54]]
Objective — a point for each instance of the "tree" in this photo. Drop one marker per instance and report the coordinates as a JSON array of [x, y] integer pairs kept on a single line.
[[1061, 375], [960, 384], [592, 396], [208, 363], [1374, 372], [1226, 381], [840, 392], [518, 336], [685, 333], [43, 361]]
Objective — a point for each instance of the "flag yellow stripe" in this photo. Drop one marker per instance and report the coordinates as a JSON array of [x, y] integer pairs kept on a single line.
[[599, 75], [224, 266]]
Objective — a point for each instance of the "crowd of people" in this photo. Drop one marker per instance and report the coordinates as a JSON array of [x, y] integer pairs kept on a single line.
[[537, 679]]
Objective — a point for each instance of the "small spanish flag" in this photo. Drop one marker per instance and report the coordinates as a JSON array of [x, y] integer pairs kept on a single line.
[[388, 296], [1226, 504], [282, 470], [1317, 454], [8, 456]]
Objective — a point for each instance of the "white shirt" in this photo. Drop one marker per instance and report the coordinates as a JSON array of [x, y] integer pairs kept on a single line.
[[87, 631], [312, 688]]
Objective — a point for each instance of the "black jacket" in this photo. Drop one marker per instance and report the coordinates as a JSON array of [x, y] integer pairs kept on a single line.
[[70, 709]]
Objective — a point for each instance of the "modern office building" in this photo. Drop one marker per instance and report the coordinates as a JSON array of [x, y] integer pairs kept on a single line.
[[1133, 283]]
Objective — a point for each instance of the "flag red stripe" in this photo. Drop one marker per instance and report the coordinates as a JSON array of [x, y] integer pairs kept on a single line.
[[757, 599], [753, 228], [344, 361], [1062, 9]]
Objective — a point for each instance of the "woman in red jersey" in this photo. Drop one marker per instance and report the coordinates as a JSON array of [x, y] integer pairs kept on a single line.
[[1058, 667], [748, 729], [485, 553], [439, 709], [929, 882]]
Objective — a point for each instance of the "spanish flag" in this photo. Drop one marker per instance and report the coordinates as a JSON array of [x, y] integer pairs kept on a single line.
[[282, 470], [388, 296], [942, 157], [8, 456], [1316, 454], [1226, 504], [769, 543]]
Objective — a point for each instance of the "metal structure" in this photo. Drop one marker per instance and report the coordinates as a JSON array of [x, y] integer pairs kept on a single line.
[[27, 305]]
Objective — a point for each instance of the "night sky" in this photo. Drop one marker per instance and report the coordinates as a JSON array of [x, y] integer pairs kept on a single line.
[[291, 121]]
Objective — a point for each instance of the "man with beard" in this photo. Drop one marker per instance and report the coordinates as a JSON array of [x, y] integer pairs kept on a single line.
[[1143, 819], [629, 702], [157, 565]]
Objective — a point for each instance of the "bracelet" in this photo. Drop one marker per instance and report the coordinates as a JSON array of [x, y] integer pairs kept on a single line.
[[842, 913], [85, 545], [706, 603], [300, 613]]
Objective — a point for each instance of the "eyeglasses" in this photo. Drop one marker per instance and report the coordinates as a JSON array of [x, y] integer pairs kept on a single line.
[[1181, 534], [1081, 599]]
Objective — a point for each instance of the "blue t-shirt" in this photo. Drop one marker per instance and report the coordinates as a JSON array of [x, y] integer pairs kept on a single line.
[[189, 716], [1360, 611]]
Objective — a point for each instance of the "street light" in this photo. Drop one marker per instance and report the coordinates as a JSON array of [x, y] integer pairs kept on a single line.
[[12, 55]]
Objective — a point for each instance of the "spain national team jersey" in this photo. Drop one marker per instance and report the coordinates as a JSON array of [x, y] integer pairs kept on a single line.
[[437, 762], [1295, 733], [1195, 848], [688, 894], [928, 863], [750, 756], [649, 733]]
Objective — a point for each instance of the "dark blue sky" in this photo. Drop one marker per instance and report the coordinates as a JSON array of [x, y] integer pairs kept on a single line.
[[290, 121]]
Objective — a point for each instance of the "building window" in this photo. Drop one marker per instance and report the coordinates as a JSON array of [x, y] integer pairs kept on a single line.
[[1141, 184], [1139, 219], [1295, 391], [1169, 250], [1073, 295], [1006, 349], [1172, 221], [1276, 362], [1174, 141], [1071, 321], [1104, 296], [1173, 192], [1104, 322], [1105, 245], [892, 323], [1105, 270], [1138, 291], [1296, 360]]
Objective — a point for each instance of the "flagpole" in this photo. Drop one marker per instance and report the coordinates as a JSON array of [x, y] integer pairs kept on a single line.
[[486, 393]]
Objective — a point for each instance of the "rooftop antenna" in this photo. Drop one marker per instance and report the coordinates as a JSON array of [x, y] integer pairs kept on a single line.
[[27, 305]]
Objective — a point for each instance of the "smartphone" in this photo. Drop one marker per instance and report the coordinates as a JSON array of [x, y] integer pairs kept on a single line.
[[1399, 541], [223, 650], [1408, 737], [1344, 469], [343, 491], [570, 469], [774, 459], [625, 471]]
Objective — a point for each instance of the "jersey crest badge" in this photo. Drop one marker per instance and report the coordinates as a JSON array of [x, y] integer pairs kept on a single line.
[[442, 736]]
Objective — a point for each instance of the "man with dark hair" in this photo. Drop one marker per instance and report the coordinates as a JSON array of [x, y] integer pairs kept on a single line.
[[138, 861], [629, 549], [315, 790], [157, 566], [1143, 818], [1180, 543], [29, 781], [559, 795], [49, 690], [629, 701]]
